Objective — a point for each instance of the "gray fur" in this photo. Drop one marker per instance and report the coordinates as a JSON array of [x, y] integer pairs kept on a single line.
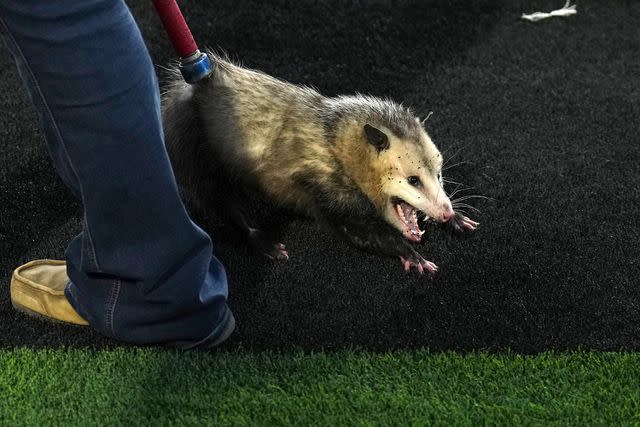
[[372, 110], [204, 138]]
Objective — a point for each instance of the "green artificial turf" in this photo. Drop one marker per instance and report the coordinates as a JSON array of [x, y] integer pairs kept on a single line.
[[164, 387]]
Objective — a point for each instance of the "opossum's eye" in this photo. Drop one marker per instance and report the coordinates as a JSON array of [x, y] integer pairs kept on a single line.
[[415, 181]]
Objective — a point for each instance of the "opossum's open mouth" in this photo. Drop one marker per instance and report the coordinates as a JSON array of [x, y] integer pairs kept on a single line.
[[408, 216]]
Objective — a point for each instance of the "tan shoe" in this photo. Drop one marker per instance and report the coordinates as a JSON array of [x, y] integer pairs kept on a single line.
[[37, 289]]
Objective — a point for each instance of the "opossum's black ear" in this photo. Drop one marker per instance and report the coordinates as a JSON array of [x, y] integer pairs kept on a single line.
[[376, 137]]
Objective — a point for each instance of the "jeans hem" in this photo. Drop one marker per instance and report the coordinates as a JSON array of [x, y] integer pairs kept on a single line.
[[228, 321]]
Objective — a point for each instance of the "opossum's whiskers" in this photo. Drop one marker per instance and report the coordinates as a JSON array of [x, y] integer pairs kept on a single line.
[[444, 168], [459, 187], [450, 181], [462, 211], [474, 196], [464, 205], [454, 154], [457, 203], [456, 190]]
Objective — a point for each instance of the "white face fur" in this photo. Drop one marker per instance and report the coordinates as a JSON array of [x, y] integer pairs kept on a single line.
[[413, 182]]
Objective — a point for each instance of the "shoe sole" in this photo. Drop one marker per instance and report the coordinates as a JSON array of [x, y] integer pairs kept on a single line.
[[42, 317]]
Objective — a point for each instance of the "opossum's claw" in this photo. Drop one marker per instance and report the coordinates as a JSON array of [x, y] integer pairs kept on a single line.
[[278, 252], [460, 223], [263, 244], [419, 263], [271, 250], [469, 224], [431, 267]]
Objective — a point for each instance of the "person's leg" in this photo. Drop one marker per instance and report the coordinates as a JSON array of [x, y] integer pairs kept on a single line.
[[141, 270]]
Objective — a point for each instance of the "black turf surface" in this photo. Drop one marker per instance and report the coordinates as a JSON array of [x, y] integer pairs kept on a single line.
[[546, 119]]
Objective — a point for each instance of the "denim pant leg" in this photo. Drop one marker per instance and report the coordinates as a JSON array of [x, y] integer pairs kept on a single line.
[[140, 270]]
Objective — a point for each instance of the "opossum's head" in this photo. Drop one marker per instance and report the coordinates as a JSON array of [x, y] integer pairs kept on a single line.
[[409, 167]]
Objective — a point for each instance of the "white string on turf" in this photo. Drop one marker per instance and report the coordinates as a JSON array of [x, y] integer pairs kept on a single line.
[[567, 10]]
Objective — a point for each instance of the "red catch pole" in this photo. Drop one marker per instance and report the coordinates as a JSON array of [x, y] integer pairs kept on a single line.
[[194, 64]]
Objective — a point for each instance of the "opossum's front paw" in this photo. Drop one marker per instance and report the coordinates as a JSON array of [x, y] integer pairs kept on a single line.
[[468, 224], [460, 223], [419, 263]]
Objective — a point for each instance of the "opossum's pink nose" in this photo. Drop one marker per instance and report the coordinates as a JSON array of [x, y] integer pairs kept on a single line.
[[448, 212]]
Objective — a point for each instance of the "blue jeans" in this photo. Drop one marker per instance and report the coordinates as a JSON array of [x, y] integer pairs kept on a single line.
[[140, 271]]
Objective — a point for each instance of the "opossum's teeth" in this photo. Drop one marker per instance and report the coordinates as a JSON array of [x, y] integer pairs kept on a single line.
[[420, 231], [409, 217], [400, 213]]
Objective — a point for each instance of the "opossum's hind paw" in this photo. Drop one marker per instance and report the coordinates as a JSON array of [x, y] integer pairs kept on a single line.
[[419, 264], [268, 247], [460, 223], [278, 252], [272, 250]]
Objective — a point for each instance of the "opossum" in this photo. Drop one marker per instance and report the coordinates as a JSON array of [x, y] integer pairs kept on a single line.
[[362, 166]]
